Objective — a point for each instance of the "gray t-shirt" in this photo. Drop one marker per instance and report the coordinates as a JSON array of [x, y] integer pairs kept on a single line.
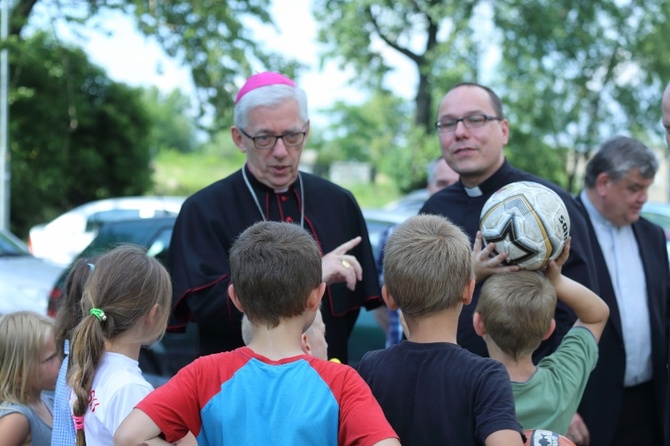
[[40, 431]]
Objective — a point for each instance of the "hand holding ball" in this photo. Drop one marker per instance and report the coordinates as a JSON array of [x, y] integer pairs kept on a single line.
[[528, 221]]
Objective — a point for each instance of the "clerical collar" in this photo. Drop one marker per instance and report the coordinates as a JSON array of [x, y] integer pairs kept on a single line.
[[252, 192], [491, 184], [473, 192]]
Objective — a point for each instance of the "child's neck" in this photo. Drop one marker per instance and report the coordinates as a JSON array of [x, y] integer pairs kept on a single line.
[[282, 341], [519, 370], [437, 327], [127, 344]]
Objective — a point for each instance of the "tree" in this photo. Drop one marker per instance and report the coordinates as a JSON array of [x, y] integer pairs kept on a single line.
[[172, 126], [434, 35], [75, 135], [209, 36], [574, 73]]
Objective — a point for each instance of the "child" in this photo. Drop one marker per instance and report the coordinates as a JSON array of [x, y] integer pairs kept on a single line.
[[268, 392], [125, 305], [514, 314], [67, 318], [431, 390], [313, 340], [28, 367]]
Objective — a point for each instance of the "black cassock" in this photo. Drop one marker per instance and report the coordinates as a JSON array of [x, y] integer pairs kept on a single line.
[[213, 217]]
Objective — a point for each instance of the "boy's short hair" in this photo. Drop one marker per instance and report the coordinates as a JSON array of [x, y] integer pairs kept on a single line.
[[516, 310], [427, 265], [274, 267]]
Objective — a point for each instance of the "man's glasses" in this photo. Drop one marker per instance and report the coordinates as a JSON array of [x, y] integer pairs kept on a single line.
[[470, 122], [268, 142]]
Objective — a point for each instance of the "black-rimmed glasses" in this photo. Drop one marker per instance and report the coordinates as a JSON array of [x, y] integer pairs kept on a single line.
[[470, 122], [268, 142]]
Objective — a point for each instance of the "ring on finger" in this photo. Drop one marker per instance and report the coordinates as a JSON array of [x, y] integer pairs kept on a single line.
[[346, 264]]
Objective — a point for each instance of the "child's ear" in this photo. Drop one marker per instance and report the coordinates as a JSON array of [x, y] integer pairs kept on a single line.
[[314, 301], [388, 299], [152, 314], [466, 296], [233, 296], [304, 344], [550, 330], [478, 323]]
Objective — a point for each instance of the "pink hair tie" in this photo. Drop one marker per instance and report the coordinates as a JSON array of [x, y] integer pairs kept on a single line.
[[78, 423]]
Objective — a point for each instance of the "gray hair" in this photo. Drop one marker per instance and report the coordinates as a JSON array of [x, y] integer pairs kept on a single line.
[[269, 96], [617, 157]]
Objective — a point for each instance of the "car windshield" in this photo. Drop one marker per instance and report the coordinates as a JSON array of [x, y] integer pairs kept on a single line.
[[11, 246]]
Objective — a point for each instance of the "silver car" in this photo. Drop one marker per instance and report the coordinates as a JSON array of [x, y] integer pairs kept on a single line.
[[25, 281], [65, 237]]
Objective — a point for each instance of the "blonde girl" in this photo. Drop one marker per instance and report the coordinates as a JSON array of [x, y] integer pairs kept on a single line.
[[125, 305], [28, 367]]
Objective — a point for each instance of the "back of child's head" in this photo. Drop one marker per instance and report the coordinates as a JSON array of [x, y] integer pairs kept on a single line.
[[274, 267], [23, 336], [427, 265], [123, 288], [69, 312], [516, 310]]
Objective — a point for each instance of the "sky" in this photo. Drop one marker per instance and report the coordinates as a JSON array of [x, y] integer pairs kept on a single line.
[[129, 57]]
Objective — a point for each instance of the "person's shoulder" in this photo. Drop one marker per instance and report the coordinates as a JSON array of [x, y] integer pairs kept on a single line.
[[444, 199]]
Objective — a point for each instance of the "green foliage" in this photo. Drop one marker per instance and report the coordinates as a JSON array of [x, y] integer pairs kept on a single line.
[[574, 74], [170, 115], [211, 37], [178, 173], [364, 132], [75, 136], [434, 35]]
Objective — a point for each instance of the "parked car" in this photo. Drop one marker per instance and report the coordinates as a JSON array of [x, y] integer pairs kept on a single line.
[[176, 350], [24, 280], [66, 236]]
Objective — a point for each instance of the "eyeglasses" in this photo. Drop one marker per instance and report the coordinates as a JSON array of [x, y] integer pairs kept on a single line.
[[268, 142], [470, 122]]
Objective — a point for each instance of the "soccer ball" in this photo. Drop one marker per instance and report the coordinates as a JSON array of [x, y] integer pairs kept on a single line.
[[528, 221], [540, 437]]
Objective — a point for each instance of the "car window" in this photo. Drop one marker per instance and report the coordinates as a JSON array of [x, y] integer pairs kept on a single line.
[[159, 247], [96, 220]]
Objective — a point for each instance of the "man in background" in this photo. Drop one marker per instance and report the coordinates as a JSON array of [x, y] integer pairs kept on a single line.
[[624, 400]]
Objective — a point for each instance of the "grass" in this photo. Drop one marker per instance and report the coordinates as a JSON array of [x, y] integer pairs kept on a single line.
[[183, 174]]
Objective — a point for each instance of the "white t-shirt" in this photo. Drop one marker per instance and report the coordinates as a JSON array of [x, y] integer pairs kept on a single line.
[[118, 386]]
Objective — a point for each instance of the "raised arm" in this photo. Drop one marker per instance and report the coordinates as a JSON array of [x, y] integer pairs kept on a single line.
[[592, 312]]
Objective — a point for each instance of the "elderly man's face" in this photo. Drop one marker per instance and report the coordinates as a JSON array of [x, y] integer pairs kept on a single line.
[[277, 168], [476, 153], [623, 198]]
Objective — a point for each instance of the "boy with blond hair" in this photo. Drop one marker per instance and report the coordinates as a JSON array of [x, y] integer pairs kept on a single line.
[[433, 391], [515, 313], [268, 392]]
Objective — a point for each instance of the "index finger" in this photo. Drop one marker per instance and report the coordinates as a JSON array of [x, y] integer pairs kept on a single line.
[[346, 246]]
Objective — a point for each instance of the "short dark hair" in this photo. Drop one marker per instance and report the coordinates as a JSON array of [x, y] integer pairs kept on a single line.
[[617, 156], [495, 99], [274, 267]]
